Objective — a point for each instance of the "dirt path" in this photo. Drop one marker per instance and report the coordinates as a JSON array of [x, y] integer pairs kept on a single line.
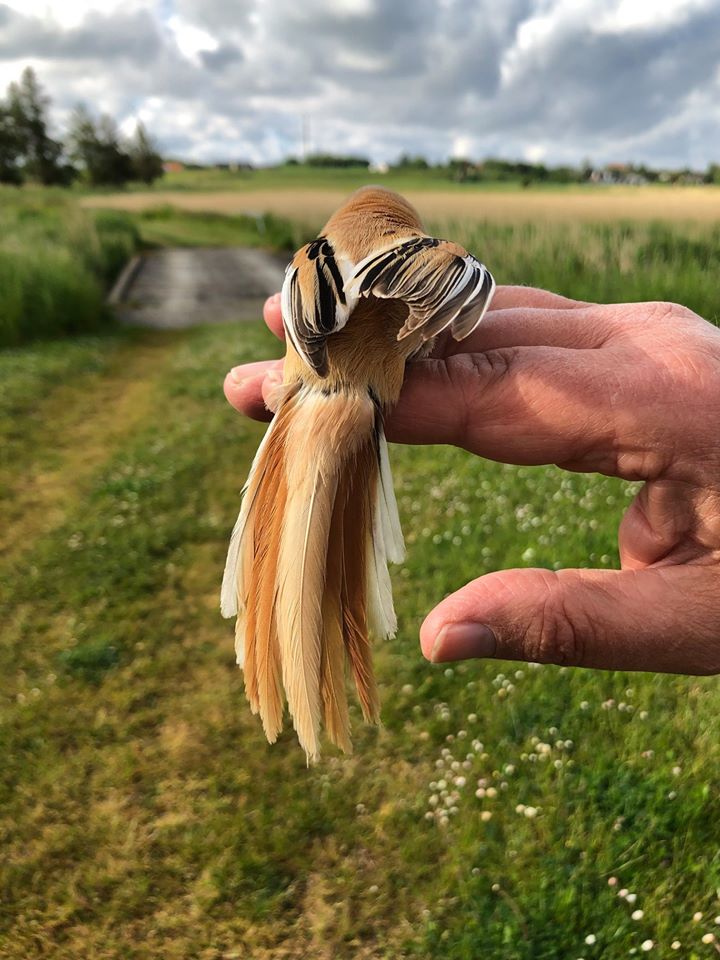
[[82, 423], [174, 289]]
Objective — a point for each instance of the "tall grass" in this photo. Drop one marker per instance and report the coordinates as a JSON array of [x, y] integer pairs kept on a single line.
[[56, 262], [603, 263]]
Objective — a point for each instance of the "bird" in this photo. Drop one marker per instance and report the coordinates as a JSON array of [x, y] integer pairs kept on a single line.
[[306, 575]]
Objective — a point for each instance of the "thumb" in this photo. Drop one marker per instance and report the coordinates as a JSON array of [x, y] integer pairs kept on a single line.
[[658, 619]]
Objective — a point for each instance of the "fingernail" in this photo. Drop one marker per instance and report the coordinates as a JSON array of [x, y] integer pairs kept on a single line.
[[274, 377], [463, 641], [237, 374], [275, 298]]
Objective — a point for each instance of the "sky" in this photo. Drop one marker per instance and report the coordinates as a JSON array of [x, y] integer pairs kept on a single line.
[[558, 81]]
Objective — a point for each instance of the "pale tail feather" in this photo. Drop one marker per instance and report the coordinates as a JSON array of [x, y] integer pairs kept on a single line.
[[307, 566]]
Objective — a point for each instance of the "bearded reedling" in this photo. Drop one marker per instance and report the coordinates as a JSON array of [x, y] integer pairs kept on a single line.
[[306, 572]]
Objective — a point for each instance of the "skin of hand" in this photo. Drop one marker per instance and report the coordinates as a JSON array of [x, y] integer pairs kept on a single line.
[[626, 390]]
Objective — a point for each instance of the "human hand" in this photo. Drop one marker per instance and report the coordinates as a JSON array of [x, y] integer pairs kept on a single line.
[[627, 390]]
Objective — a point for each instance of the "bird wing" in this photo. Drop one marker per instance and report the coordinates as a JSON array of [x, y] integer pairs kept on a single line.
[[442, 284], [314, 301]]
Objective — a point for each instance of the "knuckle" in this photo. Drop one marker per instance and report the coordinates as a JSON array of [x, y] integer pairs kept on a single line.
[[668, 311], [558, 634], [469, 377]]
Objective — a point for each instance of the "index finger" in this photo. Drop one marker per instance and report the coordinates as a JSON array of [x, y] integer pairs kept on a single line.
[[272, 315], [509, 296]]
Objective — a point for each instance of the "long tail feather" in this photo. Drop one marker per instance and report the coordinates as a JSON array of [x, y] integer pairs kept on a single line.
[[307, 566]]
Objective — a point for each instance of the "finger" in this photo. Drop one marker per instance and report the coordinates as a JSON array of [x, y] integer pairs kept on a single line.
[[514, 295], [608, 619], [272, 315], [247, 387], [585, 327], [525, 405]]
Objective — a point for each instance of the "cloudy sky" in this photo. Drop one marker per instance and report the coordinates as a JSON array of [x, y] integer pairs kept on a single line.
[[553, 80]]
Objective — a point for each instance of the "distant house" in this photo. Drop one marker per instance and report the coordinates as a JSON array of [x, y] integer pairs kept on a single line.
[[173, 166], [617, 173]]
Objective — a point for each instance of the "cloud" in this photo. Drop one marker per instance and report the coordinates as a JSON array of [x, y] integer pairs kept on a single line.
[[236, 79]]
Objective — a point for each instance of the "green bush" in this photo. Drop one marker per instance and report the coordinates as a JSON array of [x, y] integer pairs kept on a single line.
[[56, 262]]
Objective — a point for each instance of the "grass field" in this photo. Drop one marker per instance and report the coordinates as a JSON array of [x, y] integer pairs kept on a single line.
[[311, 195], [501, 811], [56, 263]]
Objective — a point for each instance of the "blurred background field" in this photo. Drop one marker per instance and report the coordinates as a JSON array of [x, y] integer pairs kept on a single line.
[[502, 810]]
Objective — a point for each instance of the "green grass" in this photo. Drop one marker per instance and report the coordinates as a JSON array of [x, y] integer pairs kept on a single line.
[[602, 262], [143, 815], [56, 263], [166, 226]]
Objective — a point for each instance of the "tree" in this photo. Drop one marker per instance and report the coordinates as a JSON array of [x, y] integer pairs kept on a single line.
[[146, 162], [96, 148], [27, 108], [10, 148]]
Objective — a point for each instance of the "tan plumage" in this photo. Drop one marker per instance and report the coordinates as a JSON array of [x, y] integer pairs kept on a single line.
[[306, 573]]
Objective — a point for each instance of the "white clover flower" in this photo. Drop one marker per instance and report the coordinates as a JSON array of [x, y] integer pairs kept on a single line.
[[472, 718], [612, 881], [590, 939], [677, 771], [486, 815], [697, 917], [462, 734], [442, 784], [675, 945], [643, 714], [449, 672], [491, 792], [531, 812], [637, 914], [480, 793], [407, 688], [584, 705], [429, 815], [623, 893], [708, 938], [631, 898], [647, 945], [717, 920], [520, 808], [434, 800], [459, 781]]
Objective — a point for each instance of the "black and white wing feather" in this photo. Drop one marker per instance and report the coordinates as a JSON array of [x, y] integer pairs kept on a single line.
[[442, 284], [314, 301]]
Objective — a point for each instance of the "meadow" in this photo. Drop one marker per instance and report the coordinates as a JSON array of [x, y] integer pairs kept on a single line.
[[501, 810], [311, 195]]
